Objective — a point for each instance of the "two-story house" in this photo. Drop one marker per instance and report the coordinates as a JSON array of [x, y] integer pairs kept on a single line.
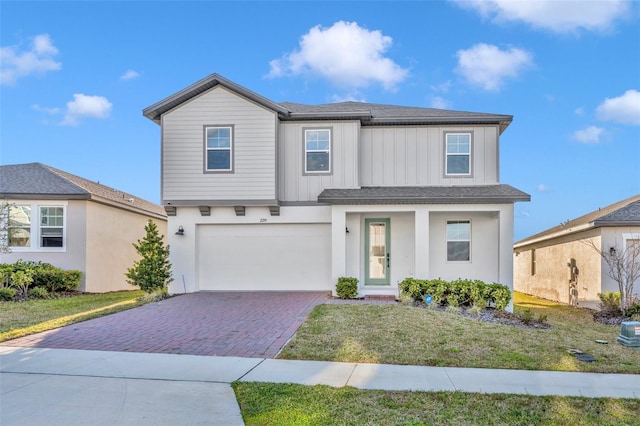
[[282, 196]]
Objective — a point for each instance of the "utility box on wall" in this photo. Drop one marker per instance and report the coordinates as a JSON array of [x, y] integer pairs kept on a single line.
[[630, 334]]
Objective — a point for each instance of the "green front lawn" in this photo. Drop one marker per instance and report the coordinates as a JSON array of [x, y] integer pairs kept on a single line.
[[406, 335], [19, 319]]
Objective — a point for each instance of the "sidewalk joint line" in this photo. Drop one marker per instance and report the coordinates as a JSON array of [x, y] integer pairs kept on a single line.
[[251, 369]]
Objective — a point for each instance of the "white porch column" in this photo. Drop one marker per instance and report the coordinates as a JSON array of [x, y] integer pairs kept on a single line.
[[338, 244], [421, 235], [505, 216]]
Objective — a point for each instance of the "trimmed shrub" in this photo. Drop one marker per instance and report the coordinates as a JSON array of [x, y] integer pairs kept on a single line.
[[21, 280], [39, 293], [461, 292], [7, 293], [610, 302], [45, 275], [55, 279], [633, 311], [347, 287]]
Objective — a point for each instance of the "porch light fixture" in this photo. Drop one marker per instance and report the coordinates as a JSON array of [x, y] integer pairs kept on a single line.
[[612, 251], [180, 230], [346, 230]]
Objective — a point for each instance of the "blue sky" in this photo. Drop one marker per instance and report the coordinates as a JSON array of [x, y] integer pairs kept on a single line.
[[75, 77]]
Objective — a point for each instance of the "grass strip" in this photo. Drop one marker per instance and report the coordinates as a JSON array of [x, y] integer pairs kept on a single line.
[[18, 319], [289, 404]]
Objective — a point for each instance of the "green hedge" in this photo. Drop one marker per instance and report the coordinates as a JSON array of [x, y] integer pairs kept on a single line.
[[44, 275], [347, 288], [461, 292]]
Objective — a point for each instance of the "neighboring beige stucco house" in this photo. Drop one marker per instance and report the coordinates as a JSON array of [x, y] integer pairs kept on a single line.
[[73, 223], [285, 196], [561, 264]]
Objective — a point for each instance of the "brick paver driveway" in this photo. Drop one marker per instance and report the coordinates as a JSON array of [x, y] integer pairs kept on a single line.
[[247, 324]]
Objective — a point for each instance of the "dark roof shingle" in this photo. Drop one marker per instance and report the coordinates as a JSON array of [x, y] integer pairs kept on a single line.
[[487, 194], [622, 213], [39, 181]]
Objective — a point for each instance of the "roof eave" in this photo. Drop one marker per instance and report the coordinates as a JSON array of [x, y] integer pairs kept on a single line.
[[610, 223], [34, 196], [421, 200]]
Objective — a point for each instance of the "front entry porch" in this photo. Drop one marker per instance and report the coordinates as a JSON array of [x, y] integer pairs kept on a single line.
[[382, 245]]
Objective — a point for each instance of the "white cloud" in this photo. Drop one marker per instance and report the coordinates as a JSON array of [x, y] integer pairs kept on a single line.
[[591, 134], [579, 111], [560, 16], [442, 87], [86, 106], [50, 111], [129, 75], [624, 109], [39, 59], [543, 188], [487, 66], [346, 54], [440, 103]]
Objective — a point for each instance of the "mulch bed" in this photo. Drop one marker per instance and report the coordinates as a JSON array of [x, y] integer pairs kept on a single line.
[[493, 316]]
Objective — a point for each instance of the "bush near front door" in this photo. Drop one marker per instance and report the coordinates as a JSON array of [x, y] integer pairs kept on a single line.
[[347, 288], [459, 292]]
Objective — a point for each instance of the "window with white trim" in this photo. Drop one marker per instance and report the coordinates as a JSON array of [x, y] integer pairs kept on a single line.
[[458, 161], [458, 240], [219, 149], [36, 227], [317, 151]]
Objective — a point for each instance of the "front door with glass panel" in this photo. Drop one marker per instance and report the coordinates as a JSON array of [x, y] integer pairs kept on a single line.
[[377, 262]]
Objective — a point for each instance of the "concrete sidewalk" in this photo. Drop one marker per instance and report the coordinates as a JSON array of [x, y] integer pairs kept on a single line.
[[74, 387]]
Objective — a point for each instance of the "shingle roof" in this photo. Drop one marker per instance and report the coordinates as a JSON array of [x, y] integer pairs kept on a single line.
[[369, 114], [39, 181], [486, 194], [622, 213]]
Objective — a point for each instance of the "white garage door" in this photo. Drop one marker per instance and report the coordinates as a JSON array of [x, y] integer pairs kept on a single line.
[[264, 257]]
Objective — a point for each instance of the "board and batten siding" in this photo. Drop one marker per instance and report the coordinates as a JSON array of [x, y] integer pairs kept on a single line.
[[254, 149], [412, 156], [294, 185]]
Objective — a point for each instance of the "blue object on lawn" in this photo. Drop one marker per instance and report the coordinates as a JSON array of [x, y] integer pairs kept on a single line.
[[427, 299]]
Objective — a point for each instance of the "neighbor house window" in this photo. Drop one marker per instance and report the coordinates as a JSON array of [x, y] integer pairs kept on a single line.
[[458, 147], [51, 226], [458, 240], [219, 149], [317, 151], [36, 227], [19, 226]]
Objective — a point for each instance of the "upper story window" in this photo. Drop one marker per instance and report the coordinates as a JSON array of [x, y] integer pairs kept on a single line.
[[317, 151], [458, 240], [458, 161], [36, 227], [219, 149]]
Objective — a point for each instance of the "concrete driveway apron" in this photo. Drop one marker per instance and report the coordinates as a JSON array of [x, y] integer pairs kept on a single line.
[[244, 324]]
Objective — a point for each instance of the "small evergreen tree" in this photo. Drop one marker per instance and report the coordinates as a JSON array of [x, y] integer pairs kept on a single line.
[[153, 271]]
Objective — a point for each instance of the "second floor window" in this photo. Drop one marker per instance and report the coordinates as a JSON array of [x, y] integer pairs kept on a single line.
[[218, 149], [317, 151], [458, 160]]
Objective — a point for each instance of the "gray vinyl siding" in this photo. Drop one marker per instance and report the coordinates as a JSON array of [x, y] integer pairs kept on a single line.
[[254, 149], [414, 156], [294, 184]]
